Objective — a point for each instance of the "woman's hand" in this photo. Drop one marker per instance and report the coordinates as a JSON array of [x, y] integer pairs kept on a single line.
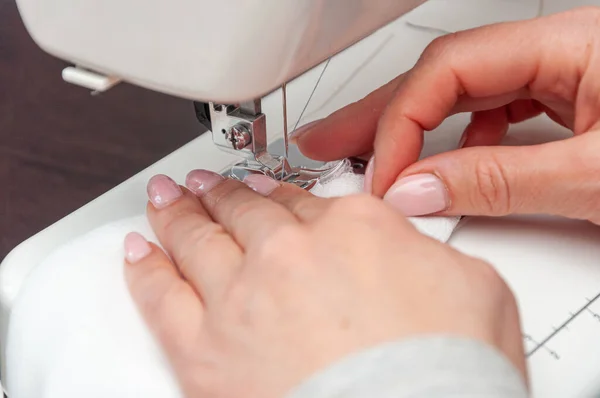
[[261, 288], [503, 74]]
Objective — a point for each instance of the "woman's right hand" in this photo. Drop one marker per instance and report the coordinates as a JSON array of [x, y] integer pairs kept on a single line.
[[502, 74]]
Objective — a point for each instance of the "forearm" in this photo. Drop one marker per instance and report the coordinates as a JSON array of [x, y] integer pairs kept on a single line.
[[431, 367]]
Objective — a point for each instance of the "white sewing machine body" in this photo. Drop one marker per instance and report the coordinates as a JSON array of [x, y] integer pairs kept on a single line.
[[226, 54], [564, 253], [219, 51]]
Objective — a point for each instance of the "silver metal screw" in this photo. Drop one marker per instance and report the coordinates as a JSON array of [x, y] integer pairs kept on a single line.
[[239, 136]]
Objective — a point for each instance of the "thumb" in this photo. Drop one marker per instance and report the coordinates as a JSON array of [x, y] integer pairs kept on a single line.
[[558, 178]]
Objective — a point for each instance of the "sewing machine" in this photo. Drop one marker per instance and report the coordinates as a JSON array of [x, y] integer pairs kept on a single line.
[[233, 57], [224, 55], [258, 67]]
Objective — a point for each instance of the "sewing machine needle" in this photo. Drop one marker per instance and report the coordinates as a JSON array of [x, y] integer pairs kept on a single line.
[[285, 121]]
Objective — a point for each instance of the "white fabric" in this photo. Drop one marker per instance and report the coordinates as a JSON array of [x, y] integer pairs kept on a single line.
[[348, 183], [74, 330]]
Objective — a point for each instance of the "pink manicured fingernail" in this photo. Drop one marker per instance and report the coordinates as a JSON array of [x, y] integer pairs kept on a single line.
[[294, 135], [418, 195], [162, 191], [369, 175], [261, 183], [136, 247], [202, 181]]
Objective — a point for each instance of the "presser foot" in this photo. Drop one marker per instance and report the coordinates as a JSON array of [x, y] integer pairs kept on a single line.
[[305, 178], [241, 129]]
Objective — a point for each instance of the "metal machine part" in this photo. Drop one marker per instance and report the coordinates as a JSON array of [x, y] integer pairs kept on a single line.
[[241, 129], [303, 177]]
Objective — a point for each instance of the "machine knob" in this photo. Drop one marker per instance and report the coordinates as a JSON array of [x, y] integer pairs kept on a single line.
[[239, 136]]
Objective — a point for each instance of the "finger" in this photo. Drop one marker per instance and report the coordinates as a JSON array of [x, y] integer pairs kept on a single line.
[[522, 110], [351, 130], [452, 67], [206, 255], [559, 178], [244, 213], [348, 132], [487, 128], [167, 303], [304, 205]]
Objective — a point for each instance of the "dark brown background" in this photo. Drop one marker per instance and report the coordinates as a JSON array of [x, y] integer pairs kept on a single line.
[[59, 146]]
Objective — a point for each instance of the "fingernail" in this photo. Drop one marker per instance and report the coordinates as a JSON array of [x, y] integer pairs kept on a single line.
[[162, 191], [368, 187], [261, 183], [136, 247], [418, 195], [463, 140], [294, 135], [202, 181]]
